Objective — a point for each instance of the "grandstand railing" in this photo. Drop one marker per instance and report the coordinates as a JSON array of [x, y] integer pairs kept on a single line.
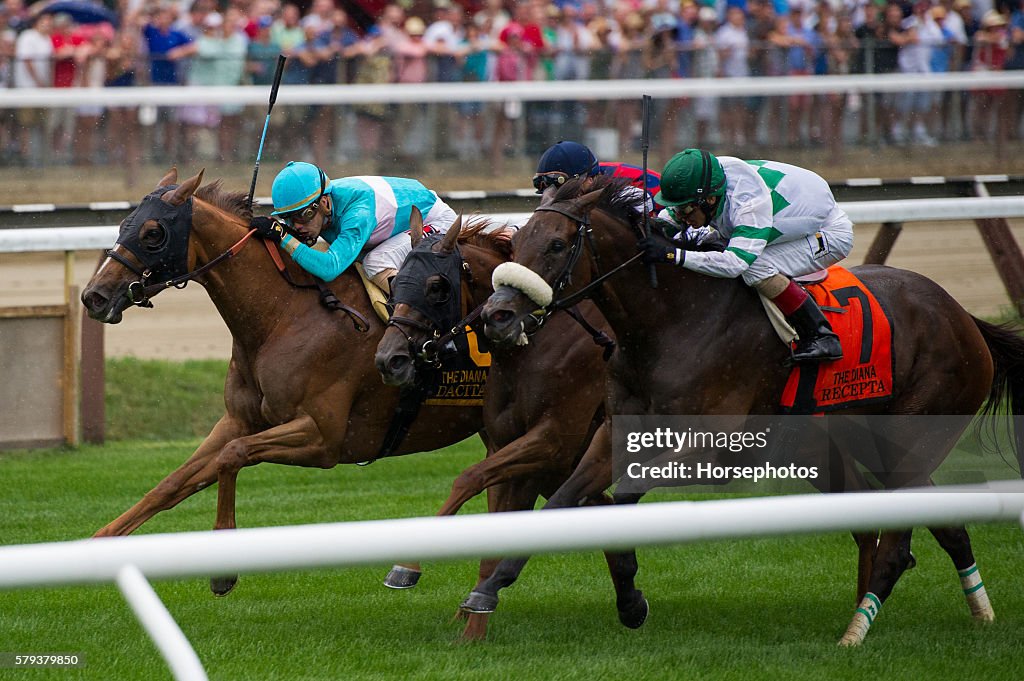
[[583, 90]]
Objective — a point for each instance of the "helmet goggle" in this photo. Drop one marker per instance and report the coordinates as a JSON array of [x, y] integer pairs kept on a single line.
[[542, 181], [684, 210], [303, 215]]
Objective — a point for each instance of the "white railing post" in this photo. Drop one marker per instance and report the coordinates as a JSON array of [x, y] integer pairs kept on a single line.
[[160, 625]]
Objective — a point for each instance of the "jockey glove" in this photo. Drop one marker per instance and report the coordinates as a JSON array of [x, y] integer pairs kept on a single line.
[[268, 228], [657, 249]]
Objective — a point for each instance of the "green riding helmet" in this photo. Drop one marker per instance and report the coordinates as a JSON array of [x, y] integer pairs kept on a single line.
[[691, 175], [296, 186]]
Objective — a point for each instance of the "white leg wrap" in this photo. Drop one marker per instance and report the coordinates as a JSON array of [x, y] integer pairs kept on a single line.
[[862, 619], [974, 590]]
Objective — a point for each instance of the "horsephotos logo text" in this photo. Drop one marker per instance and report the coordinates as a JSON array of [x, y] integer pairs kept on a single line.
[[672, 441], [780, 454]]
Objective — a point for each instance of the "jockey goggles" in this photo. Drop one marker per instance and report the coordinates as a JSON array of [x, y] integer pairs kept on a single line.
[[303, 215], [684, 210], [542, 181]]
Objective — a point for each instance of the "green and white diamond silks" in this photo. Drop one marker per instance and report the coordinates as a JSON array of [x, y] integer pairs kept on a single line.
[[765, 202]]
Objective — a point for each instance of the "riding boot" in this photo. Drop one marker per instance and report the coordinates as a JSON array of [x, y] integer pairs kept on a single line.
[[817, 342]]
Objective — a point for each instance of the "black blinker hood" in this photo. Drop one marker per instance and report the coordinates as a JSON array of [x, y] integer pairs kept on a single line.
[[170, 258]]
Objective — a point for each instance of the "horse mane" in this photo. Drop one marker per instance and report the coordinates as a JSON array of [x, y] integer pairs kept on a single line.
[[234, 203], [487, 234], [624, 205]]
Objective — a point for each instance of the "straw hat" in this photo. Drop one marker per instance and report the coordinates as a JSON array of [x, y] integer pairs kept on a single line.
[[415, 26], [992, 19]]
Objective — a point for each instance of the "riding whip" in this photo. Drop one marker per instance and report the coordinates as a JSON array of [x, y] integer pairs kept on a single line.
[[273, 98], [645, 144]]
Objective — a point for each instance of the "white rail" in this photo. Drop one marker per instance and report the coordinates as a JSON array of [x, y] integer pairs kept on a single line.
[[124, 560], [911, 210], [523, 91]]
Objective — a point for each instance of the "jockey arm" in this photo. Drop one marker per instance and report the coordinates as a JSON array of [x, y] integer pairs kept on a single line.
[[354, 227], [750, 213]]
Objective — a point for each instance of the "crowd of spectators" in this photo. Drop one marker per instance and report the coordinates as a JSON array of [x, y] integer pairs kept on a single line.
[[232, 42]]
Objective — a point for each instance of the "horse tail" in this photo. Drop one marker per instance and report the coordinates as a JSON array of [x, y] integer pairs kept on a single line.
[[1007, 349]]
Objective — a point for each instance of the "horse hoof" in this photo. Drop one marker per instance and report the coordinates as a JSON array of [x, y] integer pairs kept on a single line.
[[222, 586], [402, 578], [849, 641], [476, 628], [634, 615], [479, 603]]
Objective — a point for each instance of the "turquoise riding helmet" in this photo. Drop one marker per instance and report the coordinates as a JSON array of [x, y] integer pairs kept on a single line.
[[296, 186]]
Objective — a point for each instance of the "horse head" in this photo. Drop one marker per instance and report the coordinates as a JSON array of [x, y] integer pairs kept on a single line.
[[152, 247], [438, 282], [427, 298], [548, 260]]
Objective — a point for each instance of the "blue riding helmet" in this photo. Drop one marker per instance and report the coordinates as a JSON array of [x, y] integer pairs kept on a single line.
[[571, 158], [296, 186]]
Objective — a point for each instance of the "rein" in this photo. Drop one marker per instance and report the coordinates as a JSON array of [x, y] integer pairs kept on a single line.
[[430, 351], [327, 297], [583, 229], [139, 293]]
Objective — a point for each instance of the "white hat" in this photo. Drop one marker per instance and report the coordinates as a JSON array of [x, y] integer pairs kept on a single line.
[[213, 20], [707, 14]]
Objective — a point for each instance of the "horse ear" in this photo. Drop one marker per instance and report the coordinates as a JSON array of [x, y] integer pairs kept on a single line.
[[589, 200], [451, 237], [548, 197], [416, 226], [170, 178], [185, 190]]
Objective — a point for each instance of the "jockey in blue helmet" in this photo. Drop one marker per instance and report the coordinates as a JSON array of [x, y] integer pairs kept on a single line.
[[567, 159], [365, 217]]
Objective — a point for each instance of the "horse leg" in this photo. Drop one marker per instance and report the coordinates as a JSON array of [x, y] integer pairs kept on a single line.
[[629, 601], [592, 476], [198, 472], [526, 456], [514, 496], [867, 545], [956, 542], [891, 560], [843, 476], [295, 443]]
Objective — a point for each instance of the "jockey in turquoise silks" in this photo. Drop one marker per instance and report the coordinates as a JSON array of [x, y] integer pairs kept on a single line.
[[361, 218]]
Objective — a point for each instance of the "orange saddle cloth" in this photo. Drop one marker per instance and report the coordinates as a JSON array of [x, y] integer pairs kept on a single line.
[[864, 374]]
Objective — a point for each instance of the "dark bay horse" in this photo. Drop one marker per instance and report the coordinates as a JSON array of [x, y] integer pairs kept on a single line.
[[543, 400], [701, 345], [302, 388]]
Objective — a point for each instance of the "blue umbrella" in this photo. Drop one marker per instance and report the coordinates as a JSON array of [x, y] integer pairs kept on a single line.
[[82, 12]]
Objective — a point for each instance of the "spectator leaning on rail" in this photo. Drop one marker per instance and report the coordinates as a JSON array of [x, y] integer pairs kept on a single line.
[[781, 221], [359, 217]]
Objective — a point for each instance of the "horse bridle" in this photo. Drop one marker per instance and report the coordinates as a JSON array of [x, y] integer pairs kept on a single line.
[[429, 353], [167, 258], [582, 239]]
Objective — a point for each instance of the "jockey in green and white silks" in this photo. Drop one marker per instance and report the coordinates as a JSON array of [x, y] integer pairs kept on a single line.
[[365, 216], [780, 221]]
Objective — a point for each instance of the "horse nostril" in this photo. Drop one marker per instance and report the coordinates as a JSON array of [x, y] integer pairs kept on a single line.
[[94, 301], [397, 363], [499, 317]]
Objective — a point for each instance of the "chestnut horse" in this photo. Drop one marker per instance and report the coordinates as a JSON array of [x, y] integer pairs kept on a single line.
[[543, 400], [301, 389], [703, 345]]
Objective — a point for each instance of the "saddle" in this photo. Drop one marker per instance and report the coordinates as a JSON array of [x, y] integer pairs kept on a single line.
[[378, 299]]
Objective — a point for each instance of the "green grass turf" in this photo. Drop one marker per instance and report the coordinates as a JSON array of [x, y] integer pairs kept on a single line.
[[761, 609], [156, 400]]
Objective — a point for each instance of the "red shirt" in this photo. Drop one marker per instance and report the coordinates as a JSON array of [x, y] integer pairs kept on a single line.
[[635, 175], [64, 68]]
